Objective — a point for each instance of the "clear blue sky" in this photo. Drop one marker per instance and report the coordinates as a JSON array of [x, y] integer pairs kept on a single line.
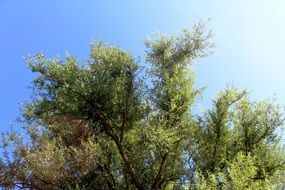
[[250, 38]]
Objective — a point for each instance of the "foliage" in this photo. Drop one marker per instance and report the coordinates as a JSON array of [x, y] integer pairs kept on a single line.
[[104, 125]]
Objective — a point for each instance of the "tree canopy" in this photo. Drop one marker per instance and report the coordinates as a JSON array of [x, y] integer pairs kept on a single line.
[[108, 123]]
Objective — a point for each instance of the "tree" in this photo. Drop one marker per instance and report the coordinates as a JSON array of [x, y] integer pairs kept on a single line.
[[107, 124]]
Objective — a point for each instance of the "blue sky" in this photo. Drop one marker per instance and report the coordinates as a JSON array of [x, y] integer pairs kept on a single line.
[[249, 35]]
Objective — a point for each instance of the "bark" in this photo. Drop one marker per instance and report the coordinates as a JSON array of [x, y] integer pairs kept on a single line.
[[110, 132], [160, 176]]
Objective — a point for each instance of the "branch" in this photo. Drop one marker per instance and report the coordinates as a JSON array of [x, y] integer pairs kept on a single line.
[[110, 132], [160, 176]]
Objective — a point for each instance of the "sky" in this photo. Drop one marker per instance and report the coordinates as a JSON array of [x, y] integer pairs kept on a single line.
[[249, 37]]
